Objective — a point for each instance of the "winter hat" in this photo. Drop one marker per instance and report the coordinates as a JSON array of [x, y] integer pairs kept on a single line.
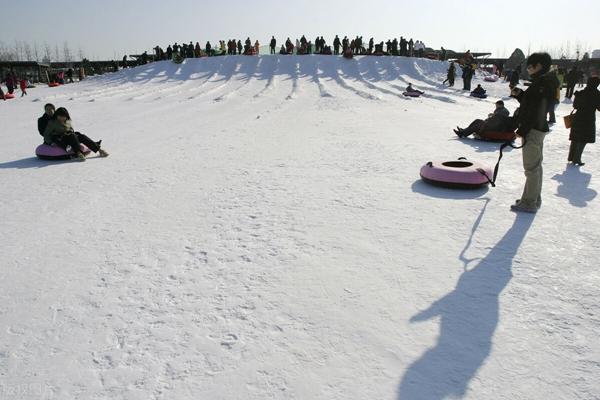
[[540, 58]]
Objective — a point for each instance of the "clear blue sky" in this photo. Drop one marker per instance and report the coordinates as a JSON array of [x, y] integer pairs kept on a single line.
[[107, 28]]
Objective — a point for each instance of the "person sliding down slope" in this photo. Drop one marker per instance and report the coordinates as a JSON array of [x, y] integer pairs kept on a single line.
[[479, 92], [59, 131], [410, 89]]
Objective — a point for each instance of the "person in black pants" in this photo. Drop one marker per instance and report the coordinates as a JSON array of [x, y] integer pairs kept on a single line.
[[59, 131], [583, 131]]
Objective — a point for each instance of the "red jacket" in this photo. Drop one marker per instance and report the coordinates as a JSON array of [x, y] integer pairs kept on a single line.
[[23, 84]]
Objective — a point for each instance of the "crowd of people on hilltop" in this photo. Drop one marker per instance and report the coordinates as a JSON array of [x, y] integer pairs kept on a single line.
[[357, 46]]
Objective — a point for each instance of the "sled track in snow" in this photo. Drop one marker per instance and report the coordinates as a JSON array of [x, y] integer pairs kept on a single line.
[[223, 79]]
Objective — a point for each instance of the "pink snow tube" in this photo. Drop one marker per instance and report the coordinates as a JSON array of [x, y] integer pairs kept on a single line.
[[47, 152], [459, 174], [9, 96], [491, 78]]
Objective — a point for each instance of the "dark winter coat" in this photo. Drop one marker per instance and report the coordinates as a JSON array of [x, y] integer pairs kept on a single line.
[[43, 123], [534, 103], [586, 103], [500, 121]]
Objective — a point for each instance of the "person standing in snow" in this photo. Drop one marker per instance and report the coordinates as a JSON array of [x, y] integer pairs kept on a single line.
[[336, 45], [533, 127], [514, 77], [467, 76], [450, 75], [23, 85], [583, 130], [208, 48], [273, 44], [571, 78], [60, 132]]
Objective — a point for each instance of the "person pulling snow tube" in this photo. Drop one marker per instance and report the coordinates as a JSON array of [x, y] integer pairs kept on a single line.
[[459, 174], [49, 152], [492, 136]]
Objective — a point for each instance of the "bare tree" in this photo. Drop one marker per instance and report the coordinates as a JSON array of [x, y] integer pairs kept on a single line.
[[18, 50], [28, 52], [56, 53], [47, 53], [36, 52], [67, 52], [80, 54]]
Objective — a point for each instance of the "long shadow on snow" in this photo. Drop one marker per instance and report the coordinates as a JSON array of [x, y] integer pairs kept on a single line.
[[468, 319], [352, 70], [31, 162], [574, 186], [445, 193], [331, 72], [482, 146]]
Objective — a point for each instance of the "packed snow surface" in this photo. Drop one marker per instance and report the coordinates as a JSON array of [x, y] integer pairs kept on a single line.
[[260, 231]]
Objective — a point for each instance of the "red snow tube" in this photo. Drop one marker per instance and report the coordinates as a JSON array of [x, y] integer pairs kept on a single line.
[[47, 152], [460, 174], [496, 136], [54, 84], [8, 96]]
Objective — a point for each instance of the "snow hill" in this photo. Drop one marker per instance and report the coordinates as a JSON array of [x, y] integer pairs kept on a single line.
[[260, 231]]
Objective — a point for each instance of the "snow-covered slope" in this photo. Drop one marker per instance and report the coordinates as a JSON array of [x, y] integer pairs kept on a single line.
[[260, 231]]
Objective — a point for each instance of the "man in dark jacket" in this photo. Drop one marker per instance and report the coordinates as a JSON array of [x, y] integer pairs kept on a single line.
[[336, 45], [272, 45], [532, 127], [572, 77], [498, 121], [583, 131], [467, 75], [43, 120], [514, 77]]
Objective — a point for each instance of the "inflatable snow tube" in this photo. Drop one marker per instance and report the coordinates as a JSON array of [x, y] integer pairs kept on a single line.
[[47, 152], [491, 78], [412, 94], [54, 84], [479, 96], [496, 136], [459, 174], [9, 96]]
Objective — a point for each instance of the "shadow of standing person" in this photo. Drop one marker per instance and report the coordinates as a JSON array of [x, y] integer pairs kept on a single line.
[[468, 319], [573, 186]]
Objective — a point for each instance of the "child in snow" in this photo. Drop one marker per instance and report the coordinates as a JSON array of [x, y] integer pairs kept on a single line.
[[23, 85], [59, 131]]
